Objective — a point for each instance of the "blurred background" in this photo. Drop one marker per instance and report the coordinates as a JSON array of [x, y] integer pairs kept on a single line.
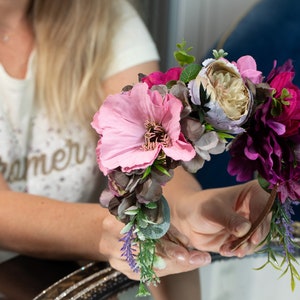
[[199, 22]]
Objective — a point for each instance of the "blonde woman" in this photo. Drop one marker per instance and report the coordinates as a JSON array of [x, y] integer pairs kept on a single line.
[[59, 59]]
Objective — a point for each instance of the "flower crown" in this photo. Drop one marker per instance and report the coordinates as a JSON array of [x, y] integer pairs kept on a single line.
[[184, 116]]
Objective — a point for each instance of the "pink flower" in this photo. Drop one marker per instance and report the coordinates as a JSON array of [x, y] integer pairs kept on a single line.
[[157, 78], [248, 69], [135, 126]]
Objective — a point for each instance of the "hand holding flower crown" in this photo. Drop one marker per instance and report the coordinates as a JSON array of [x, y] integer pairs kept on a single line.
[[181, 118], [215, 219]]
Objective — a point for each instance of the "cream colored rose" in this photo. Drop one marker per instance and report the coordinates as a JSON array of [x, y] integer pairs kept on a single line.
[[230, 100]]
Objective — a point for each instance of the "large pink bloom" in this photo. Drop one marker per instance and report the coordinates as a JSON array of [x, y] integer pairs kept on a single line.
[[135, 126]]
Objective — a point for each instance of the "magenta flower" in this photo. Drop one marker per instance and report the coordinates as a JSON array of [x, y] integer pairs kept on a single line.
[[158, 77], [134, 128], [264, 149], [290, 115]]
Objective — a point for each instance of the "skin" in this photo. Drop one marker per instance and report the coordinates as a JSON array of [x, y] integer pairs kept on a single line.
[[212, 219], [197, 224]]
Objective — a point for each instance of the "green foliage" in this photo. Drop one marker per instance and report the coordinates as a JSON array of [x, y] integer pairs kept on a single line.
[[278, 233], [219, 53], [146, 259], [147, 235], [263, 183], [225, 135], [161, 168], [278, 103], [190, 72], [202, 109], [182, 56]]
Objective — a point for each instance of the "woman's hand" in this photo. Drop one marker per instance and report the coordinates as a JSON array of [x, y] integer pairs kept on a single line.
[[214, 219], [177, 257]]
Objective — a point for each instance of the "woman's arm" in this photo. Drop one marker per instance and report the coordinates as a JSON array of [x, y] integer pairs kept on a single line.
[[47, 228], [115, 83]]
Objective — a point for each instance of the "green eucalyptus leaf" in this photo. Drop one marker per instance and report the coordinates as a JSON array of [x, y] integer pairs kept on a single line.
[[142, 223], [140, 235], [182, 56], [158, 230]]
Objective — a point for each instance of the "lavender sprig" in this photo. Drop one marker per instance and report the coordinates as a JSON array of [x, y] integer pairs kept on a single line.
[[127, 249]]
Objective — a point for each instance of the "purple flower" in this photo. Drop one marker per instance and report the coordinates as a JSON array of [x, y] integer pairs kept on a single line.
[[264, 149]]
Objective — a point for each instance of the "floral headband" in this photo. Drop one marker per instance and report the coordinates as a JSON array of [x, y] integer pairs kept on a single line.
[[184, 116]]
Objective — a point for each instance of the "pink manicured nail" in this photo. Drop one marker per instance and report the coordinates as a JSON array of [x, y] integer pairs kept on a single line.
[[200, 259]]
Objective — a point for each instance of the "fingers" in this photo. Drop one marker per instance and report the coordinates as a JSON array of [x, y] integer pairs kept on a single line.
[[237, 225], [250, 246], [260, 234], [180, 257], [223, 216], [175, 246], [177, 258]]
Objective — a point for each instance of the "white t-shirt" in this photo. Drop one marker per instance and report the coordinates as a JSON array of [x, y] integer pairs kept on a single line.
[[39, 158]]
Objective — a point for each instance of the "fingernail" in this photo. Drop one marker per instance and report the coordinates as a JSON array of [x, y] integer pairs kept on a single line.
[[242, 251], [227, 253], [200, 259], [180, 257], [243, 228]]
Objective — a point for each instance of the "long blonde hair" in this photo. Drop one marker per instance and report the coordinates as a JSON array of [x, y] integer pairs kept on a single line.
[[73, 42]]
